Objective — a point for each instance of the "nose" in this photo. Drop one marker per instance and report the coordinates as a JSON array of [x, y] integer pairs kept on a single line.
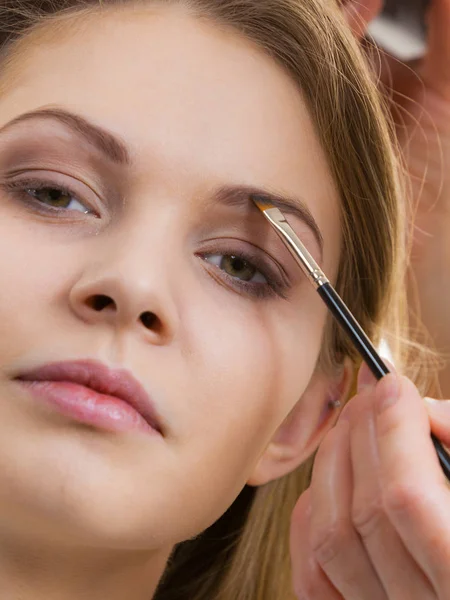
[[127, 294]]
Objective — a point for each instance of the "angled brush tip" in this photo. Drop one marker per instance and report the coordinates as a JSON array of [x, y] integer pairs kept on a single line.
[[262, 203]]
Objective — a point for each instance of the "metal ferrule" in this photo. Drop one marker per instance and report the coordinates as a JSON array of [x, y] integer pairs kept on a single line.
[[296, 247]]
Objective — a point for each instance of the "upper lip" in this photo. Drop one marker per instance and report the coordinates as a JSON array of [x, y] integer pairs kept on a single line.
[[100, 378]]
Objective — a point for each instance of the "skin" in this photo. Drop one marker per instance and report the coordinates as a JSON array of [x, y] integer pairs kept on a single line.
[[91, 513], [375, 522]]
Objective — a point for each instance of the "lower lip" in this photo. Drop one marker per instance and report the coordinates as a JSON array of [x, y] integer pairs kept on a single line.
[[87, 406]]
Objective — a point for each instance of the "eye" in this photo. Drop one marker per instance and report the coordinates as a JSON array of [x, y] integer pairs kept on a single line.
[[57, 198], [245, 268], [50, 197], [237, 267]]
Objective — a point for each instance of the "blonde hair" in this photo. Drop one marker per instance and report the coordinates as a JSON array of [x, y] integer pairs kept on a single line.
[[245, 555]]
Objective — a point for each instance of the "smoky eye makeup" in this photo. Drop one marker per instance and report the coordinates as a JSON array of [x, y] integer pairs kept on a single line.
[[29, 144], [47, 176], [229, 209], [245, 268], [248, 237], [49, 144], [50, 194]]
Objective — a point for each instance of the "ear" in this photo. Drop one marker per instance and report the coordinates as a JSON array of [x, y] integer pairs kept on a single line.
[[305, 427]]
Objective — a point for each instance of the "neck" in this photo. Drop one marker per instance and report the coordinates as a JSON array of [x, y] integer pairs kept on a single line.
[[32, 570]]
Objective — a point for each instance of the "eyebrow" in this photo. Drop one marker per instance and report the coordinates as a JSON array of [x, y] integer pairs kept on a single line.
[[241, 197], [109, 145]]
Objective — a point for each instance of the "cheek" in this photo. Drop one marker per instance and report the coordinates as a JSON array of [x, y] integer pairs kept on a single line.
[[29, 276], [252, 364], [38, 266], [263, 351], [252, 359]]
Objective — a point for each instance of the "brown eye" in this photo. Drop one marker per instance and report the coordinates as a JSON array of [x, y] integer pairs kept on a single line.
[[237, 267], [57, 198]]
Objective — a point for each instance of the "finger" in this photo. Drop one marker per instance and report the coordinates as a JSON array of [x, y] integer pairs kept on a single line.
[[359, 13], [308, 578], [436, 65], [399, 573], [366, 379], [336, 546], [439, 413], [415, 495]]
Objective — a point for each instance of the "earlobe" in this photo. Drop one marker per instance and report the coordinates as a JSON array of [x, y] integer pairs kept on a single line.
[[304, 428]]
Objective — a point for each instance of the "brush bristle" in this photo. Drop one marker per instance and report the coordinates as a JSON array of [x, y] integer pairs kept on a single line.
[[262, 203]]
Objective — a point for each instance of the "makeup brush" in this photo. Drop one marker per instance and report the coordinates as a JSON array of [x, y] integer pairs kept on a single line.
[[335, 304]]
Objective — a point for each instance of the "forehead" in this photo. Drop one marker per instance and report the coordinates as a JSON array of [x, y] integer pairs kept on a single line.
[[189, 98]]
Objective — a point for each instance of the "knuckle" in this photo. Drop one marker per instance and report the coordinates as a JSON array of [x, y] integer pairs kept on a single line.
[[329, 541], [366, 516], [402, 497]]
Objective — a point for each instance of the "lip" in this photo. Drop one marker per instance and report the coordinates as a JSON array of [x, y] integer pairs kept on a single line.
[[117, 384]]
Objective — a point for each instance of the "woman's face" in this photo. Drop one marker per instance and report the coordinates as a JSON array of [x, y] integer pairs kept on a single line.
[[231, 346]]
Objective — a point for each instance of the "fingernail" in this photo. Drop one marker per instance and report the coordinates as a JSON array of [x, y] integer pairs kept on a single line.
[[389, 365], [366, 379], [388, 392]]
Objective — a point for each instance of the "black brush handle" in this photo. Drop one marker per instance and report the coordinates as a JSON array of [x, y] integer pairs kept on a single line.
[[368, 352]]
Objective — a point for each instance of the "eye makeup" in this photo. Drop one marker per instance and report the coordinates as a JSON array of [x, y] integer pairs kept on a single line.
[[27, 190], [268, 279], [236, 199], [46, 152]]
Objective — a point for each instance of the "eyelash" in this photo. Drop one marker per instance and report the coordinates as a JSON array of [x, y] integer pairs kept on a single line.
[[275, 285], [276, 282], [20, 190]]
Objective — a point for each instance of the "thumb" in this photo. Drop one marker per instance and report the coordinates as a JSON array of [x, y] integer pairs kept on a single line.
[[439, 413]]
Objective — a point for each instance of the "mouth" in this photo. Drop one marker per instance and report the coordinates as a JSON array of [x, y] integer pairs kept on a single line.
[[90, 390]]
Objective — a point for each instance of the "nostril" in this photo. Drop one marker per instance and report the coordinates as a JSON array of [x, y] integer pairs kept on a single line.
[[99, 302], [151, 321]]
